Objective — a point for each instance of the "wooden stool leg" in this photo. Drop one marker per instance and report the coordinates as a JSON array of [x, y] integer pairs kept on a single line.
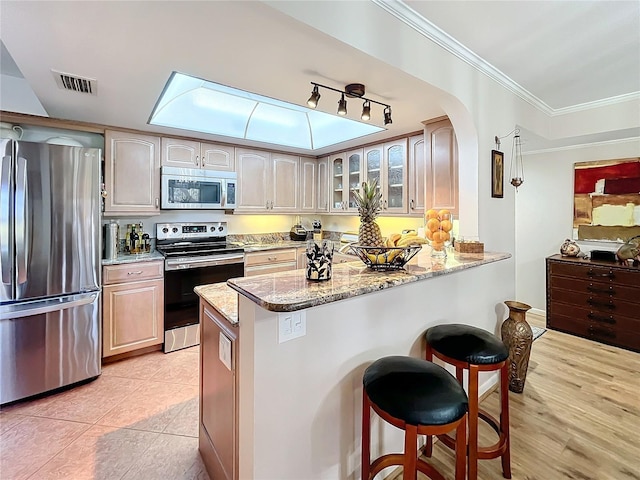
[[461, 449], [428, 446], [366, 436], [473, 422], [410, 467], [504, 419]]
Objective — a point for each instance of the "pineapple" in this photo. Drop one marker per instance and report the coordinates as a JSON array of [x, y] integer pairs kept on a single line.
[[369, 205]]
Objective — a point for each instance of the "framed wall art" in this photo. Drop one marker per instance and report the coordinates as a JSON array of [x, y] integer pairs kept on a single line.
[[606, 200], [497, 174]]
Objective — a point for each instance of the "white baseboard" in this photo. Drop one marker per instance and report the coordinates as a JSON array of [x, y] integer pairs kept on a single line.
[[539, 312]]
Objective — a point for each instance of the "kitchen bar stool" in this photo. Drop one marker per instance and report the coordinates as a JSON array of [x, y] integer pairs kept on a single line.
[[476, 350], [420, 398]]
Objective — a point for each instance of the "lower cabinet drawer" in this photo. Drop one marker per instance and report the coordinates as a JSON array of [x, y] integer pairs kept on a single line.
[[270, 256], [594, 331], [132, 272]]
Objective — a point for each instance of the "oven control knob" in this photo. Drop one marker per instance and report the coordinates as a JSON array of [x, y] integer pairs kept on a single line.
[[220, 228], [165, 230], [174, 229], [213, 229]]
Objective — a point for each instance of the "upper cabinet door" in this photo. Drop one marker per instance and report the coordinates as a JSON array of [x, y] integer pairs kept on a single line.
[[353, 178], [254, 180], [416, 174], [442, 166], [132, 173], [338, 169], [394, 197], [217, 157], [308, 185], [323, 185], [180, 153], [285, 182]]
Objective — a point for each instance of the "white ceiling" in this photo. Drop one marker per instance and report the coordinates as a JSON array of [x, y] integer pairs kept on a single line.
[[573, 52]]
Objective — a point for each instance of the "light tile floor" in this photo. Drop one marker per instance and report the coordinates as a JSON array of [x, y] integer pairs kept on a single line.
[[138, 420]]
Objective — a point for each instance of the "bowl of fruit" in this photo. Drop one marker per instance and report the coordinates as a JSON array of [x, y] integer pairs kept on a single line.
[[398, 249], [437, 229]]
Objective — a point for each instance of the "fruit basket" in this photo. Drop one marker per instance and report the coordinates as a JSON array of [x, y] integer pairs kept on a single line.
[[385, 258]]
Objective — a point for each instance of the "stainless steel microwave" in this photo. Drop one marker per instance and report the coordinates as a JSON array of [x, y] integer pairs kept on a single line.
[[189, 188]]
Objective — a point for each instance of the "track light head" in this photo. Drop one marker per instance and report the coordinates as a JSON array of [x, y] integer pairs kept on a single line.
[[387, 116], [342, 106], [313, 99], [366, 111]]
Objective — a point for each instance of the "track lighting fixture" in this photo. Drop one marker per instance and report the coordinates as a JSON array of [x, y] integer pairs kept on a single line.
[[366, 111], [313, 99], [387, 116], [342, 106], [353, 90]]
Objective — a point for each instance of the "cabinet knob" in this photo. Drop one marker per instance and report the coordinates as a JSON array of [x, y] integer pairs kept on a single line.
[[412, 204]]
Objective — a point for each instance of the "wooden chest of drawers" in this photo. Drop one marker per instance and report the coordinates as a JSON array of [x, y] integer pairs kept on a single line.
[[596, 300]]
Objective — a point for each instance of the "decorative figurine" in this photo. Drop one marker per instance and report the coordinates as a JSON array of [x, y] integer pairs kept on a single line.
[[629, 252], [569, 248]]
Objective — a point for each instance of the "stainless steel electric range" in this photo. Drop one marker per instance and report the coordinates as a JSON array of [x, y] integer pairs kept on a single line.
[[195, 254]]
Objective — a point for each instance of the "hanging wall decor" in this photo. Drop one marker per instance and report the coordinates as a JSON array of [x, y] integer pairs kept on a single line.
[[497, 174], [606, 200]]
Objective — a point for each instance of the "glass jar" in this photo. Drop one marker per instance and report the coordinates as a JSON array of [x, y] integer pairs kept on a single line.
[[438, 230]]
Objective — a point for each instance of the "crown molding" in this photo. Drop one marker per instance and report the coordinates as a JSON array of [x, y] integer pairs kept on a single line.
[[583, 145], [413, 19]]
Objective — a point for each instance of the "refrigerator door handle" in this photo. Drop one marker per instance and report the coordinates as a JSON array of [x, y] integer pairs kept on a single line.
[[39, 307], [21, 220], [5, 217]]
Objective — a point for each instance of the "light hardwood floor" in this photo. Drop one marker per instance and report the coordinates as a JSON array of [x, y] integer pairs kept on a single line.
[[578, 417]]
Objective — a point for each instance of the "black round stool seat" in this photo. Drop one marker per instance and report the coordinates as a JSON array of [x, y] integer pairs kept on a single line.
[[415, 391], [466, 343]]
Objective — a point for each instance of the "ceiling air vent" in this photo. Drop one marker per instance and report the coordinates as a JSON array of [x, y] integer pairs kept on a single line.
[[75, 83]]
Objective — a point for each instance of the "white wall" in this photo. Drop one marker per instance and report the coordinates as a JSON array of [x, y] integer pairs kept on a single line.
[[544, 213]]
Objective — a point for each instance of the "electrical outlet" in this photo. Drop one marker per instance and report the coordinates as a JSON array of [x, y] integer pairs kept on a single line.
[[291, 325]]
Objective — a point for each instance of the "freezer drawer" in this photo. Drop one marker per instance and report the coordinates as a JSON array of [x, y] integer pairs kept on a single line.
[[48, 344]]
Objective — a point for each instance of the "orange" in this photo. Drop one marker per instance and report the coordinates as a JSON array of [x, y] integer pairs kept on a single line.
[[444, 214], [433, 224], [446, 225], [437, 246], [440, 236], [431, 214], [429, 234]]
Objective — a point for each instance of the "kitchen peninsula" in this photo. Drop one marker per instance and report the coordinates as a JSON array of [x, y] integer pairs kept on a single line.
[[281, 388]]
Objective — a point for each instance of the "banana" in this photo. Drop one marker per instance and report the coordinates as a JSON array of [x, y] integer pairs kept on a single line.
[[394, 237]]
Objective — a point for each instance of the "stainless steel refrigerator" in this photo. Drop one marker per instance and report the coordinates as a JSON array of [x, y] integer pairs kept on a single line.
[[50, 267]]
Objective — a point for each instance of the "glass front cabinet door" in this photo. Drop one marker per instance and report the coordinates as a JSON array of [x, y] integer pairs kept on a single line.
[[346, 176], [394, 194]]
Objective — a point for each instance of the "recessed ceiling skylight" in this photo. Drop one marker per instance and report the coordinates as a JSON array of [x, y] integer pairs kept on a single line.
[[190, 103]]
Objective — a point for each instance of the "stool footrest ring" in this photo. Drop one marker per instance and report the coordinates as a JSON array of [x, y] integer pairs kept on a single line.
[[392, 459]]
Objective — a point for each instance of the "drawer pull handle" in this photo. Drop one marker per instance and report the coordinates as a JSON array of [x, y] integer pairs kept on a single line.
[[608, 291], [601, 332], [272, 259], [606, 275], [598, 318], [139, 272], [593, 303]]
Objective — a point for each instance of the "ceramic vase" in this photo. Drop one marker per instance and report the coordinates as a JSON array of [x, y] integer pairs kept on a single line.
[[319, 259], [517, 337]]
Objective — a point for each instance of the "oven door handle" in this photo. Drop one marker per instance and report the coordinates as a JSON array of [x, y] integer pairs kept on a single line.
[[205, 262]]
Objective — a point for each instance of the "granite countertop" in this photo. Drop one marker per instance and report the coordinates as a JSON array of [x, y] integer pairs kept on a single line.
[[133, 258], [222, 297], [290, 291]]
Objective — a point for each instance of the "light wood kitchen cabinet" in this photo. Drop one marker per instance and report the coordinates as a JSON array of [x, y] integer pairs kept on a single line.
[[270, 261], [192, 154], [218, 430], [416, 174], [387, 164], [267, 182], [308, 185], [131, 173], [441, 163], [322, 187], [132, 307], [346, 174]]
